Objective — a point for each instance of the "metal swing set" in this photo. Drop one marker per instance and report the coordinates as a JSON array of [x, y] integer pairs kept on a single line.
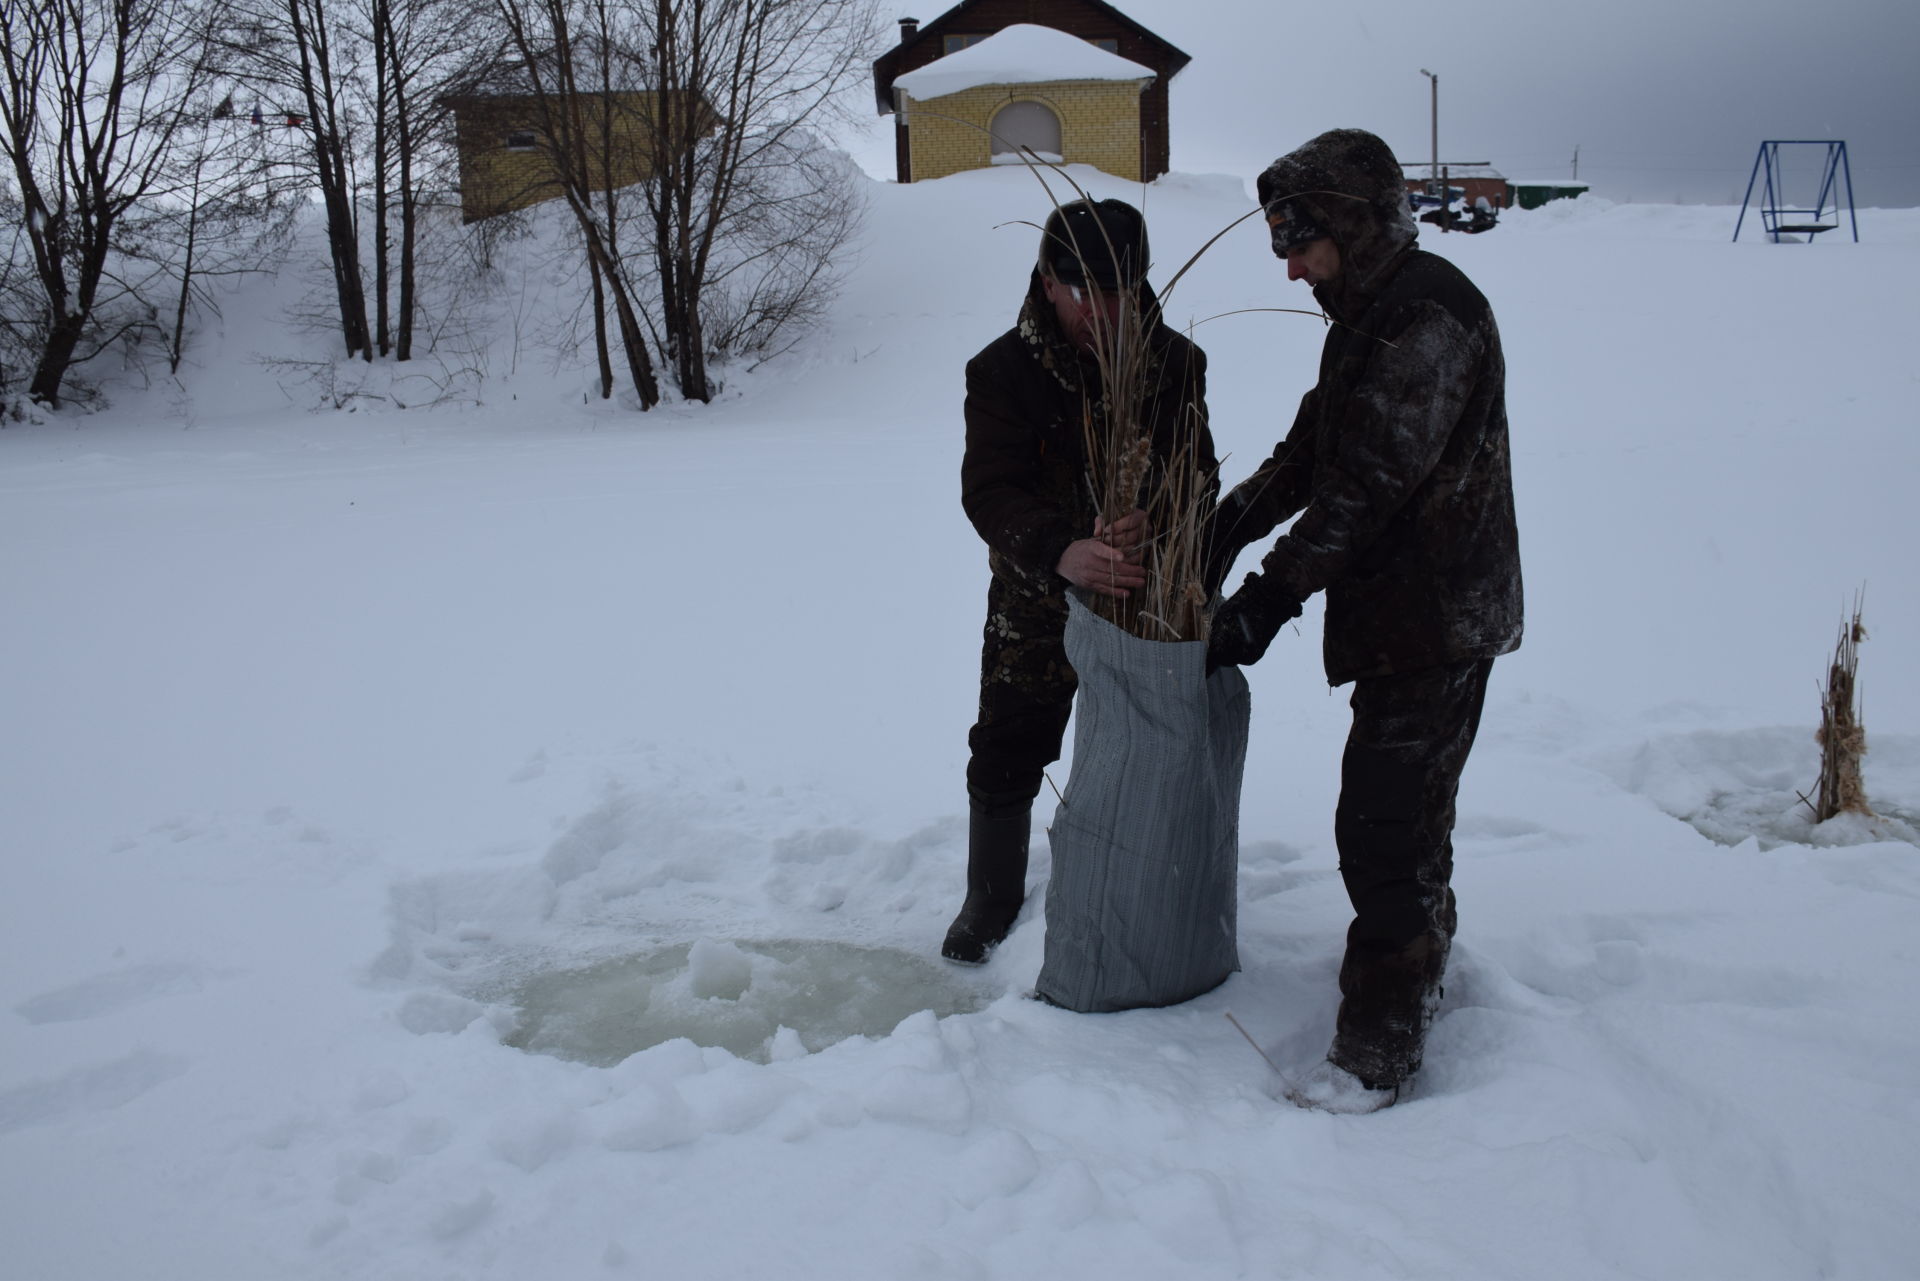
[[1782, 219]]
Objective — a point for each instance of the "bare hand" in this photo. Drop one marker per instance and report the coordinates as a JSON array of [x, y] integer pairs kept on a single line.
[[1127, 535], [1097, 567]]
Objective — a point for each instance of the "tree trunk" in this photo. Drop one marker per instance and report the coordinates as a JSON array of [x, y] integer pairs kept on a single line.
[[600, 328], [409, 209], [382, 73], [186, 274], [56, 357], [316, 82], [409, 198]]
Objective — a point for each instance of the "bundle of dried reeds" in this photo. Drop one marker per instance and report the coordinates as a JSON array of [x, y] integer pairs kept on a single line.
[[1175, 491], [1842, 738]]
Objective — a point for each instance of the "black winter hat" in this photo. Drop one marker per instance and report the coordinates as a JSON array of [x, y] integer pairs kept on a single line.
[[1102, 243]]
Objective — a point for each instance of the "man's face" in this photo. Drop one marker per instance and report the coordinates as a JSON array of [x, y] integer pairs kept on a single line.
[[1317, 262], [1083, 310]]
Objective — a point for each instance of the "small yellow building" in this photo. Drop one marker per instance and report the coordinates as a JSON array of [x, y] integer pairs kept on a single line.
[[1024, 87], [507, 159]]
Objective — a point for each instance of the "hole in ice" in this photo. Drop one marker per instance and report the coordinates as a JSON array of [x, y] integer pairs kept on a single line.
[[732, 995]]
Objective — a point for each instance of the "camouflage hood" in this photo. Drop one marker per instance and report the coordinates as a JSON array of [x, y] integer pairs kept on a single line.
[[1348, 182]]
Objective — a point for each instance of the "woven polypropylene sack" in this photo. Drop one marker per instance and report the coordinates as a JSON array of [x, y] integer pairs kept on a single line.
[[1146, 840]]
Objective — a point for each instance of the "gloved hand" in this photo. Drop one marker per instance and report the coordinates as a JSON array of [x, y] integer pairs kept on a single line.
[[1246, 623]]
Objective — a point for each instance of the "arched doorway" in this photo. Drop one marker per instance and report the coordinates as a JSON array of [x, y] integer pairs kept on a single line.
[[1026, 124]]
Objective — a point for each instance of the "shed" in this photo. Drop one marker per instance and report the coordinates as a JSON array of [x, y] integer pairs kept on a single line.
[[1531, 195], [506, 157], [1478, 180], [1111, 121]]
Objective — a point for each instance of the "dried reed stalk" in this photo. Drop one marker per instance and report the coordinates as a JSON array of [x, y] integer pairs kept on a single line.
[[1178, 496], [1176, 492], [1842, 738]]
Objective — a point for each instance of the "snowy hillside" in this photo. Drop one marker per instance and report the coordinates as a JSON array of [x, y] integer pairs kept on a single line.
[[373, 783]]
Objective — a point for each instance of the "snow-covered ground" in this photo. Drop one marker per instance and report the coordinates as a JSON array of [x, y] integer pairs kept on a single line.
[[346, 753]]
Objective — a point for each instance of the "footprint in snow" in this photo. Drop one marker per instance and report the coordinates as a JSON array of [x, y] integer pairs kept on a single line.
[[100, 1088], [110, 992]]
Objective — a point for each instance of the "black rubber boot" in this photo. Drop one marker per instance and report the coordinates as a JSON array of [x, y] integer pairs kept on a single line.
[[996, 883]]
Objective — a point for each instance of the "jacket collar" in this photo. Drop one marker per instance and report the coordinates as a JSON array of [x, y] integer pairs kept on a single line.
[[1074, 369], [1373, 244]]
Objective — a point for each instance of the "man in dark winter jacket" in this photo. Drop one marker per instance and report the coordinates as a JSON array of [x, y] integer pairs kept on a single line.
[[1397, 465], [1033, 395]]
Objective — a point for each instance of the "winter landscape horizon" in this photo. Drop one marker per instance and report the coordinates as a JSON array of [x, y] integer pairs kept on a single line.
[[456, 826]]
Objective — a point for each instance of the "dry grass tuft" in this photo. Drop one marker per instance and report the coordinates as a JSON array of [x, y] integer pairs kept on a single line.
[[1122, 474], [1842, 738]]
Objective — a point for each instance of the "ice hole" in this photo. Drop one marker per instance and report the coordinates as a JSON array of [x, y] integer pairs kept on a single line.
[[732, 995]]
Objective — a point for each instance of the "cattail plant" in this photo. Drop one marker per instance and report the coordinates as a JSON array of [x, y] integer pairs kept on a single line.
[[1842, 738]]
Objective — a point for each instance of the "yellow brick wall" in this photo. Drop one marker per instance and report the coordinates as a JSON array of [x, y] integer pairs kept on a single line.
[[1099, 125], [494, 180]]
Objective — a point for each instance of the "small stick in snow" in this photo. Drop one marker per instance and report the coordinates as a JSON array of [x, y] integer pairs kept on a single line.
[[1256, 1048]]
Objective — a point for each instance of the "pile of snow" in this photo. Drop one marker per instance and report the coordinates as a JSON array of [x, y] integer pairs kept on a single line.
[[374, 781], [1020, 54]]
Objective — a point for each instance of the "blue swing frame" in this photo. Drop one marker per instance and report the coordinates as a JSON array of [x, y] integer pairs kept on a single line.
[[1782, 220]]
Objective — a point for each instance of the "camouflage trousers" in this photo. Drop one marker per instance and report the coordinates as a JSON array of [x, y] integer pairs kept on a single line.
[[1394, 829], [1026, 698]]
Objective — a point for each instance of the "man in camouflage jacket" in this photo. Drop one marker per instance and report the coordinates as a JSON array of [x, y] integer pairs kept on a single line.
[[1025, 487], [1397, 465]]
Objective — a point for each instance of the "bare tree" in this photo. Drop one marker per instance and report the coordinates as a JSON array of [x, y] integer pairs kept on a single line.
[[95, 98], [422, 53], [20, 304], [742, 196], [323, 69], [221, 220], [568, 72], [295, 51]]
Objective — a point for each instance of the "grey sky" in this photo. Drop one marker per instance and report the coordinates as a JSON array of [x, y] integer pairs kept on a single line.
[[1666, 101]]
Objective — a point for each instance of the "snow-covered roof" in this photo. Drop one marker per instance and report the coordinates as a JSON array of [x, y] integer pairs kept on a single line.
[[1423, 169], [1020, 54]]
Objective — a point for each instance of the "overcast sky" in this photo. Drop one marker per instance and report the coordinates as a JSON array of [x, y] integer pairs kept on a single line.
[[1665, 100]]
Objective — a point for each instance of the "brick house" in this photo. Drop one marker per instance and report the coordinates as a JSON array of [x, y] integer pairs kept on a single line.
[[1117, 124], [506, 158], [1479, 182]]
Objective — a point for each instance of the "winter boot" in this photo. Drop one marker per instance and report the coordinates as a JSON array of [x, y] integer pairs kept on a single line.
[[1388, 1000], [996, 882], [1331, 1088]]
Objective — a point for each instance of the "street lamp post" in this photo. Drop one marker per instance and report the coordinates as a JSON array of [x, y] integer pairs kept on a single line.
[[1436, 132]]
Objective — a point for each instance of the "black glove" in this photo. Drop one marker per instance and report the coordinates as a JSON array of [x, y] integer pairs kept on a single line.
[[1246, 623]]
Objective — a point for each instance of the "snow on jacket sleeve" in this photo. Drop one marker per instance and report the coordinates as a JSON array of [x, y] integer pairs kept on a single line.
[[1002, 479], [1393, 427]]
